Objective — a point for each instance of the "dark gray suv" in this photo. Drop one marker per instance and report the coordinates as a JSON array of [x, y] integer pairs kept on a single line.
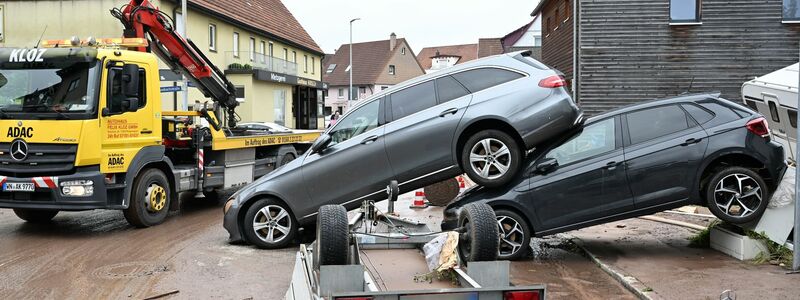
[[477, 118]]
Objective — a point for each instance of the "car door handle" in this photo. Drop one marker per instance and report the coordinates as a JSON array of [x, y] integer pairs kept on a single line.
[[691, 141], [611, 165], [451, 111], [369, 140]]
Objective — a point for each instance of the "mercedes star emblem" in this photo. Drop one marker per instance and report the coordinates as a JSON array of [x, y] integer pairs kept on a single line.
[[19, 150]]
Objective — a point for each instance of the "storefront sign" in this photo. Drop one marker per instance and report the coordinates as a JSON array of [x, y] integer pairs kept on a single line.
[[287, 79]]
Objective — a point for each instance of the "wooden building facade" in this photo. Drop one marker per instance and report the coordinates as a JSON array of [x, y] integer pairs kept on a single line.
[[629, 51]]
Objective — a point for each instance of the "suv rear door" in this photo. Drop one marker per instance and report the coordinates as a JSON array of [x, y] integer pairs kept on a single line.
[[664, 146], [419, 137]]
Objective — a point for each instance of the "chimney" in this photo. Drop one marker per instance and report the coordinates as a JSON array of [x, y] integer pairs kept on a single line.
[[392, 41]]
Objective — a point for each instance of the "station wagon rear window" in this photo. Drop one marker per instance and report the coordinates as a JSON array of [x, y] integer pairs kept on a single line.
[[484, 78]]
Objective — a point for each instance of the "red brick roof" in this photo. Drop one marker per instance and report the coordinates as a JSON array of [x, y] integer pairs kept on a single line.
[[369, 60], [269, 16], [467, 52], [489, 47]]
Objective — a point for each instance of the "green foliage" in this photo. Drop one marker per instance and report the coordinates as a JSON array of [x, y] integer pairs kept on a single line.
[[238, 66], [703, 238], [776, 254], [448, 274]]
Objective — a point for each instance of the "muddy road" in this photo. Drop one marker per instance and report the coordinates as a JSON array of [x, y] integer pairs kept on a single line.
[[97, 255]]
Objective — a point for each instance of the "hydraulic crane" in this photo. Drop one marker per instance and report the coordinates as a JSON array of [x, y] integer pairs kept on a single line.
[[143, 20]]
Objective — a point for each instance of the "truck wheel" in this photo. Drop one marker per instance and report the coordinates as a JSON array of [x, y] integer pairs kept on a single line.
[[287, 158], [737, 195], [332, 236], [515, 235], [150, 199], [268, 224], [480, 241], [35, 215], [491, 158]]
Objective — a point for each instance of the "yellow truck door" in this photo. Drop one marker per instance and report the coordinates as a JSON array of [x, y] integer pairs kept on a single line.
[[128, 123]]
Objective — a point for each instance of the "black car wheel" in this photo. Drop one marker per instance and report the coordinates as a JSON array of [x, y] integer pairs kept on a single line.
[[515, 235], [268, 224], [35, 215], [491, 158], [331, 246], [479, 241], [737, 195]]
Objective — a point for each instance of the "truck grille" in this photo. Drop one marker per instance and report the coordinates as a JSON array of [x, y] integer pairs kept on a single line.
[[50, 159]]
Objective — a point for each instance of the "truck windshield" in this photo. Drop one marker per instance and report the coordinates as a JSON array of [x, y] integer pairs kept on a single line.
[[49, 91]]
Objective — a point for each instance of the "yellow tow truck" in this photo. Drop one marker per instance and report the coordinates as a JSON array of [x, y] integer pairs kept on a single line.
[[85, 129]]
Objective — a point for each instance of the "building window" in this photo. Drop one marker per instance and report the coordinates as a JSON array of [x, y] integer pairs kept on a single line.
[[212, 37], [285, 54], [791, 10], [313, 64], [252, 49], [557, 16], [305, 64], [548, 28], [331, 67], [391, 70], [341, 93], [271, 54], [362, 91], [235, 44], [537, 41], [684, 11], [280, 106], [384, 87], [262, 48], [403, 51], [294, 56], [567, 10]]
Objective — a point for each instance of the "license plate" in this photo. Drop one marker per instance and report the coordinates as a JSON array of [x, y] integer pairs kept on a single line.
[[18, 187]]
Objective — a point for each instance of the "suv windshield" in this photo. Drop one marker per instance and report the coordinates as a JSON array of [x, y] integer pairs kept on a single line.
[[53, 89]]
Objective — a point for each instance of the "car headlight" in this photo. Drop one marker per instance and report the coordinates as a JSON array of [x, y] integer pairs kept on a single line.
[[77, 188], [228, 205]]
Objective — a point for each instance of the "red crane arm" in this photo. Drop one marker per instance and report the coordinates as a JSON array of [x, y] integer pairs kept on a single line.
[[143, 20]]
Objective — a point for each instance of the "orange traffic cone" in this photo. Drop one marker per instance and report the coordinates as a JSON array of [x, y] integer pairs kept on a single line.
[[419, 200]]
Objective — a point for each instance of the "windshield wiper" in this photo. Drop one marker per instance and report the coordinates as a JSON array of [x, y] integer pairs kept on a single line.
[[49, 108]]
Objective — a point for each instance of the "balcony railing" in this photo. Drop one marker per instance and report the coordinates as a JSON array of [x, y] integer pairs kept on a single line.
[[259, 61]]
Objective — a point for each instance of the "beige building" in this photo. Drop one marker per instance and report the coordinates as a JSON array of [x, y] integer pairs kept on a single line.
[[274, 63]]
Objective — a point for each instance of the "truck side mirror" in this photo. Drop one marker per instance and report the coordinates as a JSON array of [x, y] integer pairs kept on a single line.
[[321, 143], [130, 81]]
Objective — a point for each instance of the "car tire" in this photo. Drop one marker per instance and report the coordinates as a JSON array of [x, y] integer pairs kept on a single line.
[[267, 218], [737, 195], [37, 216], [480, 241], [150, 199], [491, 158], [332, 244], [515, 235]]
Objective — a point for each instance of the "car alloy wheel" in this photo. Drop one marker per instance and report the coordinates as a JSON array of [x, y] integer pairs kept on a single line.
[[272, 224], [738, 195], [511, 236], [490, 158]]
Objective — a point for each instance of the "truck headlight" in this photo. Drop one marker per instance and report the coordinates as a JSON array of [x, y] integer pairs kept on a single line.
[[77, 188]]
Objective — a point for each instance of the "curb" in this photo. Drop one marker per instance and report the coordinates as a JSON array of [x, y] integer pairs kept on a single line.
[[631, 283]]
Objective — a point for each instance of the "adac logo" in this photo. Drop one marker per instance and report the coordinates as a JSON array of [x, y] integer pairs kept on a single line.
[[19, 150], [20, 131]]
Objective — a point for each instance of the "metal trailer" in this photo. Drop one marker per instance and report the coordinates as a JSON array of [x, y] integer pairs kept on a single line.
[[386, 247]]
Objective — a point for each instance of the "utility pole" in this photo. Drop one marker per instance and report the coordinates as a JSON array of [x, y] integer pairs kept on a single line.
[[184, 83], [350, 97]]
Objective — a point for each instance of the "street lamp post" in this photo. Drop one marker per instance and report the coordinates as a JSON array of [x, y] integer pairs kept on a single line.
[[350, 90]]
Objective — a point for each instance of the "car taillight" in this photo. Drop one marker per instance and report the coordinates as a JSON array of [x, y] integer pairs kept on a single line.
[[759, 126], [521, 295], [552, 82]]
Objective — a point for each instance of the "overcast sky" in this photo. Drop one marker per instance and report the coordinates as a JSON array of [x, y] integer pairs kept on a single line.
[[423, 23]]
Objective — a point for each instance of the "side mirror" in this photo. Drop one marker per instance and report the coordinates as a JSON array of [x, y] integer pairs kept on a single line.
[[130, 81], [321, 143], [546, 165]]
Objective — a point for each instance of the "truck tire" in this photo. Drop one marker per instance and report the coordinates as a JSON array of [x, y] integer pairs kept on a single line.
[[150, 199], [269, 224], [35, 215], [480, 240], [331, 248], [287, 158], [491, 158]]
